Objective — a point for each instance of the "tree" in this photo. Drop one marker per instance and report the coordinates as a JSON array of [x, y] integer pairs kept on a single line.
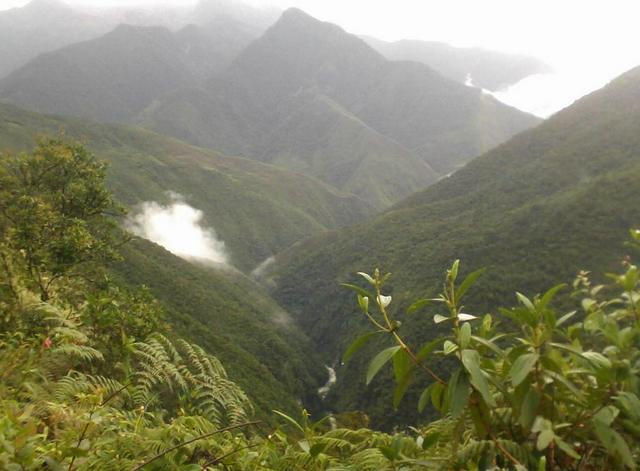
[[56, 214]]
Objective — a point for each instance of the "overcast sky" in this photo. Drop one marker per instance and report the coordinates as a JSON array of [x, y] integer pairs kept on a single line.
[[588, 42]]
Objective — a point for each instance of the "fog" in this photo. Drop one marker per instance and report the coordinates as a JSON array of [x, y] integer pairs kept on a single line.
[[587, 43], [178, 227]]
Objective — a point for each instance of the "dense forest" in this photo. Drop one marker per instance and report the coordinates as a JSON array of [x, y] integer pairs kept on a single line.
[[93, 376]]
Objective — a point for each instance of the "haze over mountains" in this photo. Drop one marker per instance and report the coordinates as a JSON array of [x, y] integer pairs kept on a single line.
[[313, 154], [486, 69], [306, 96]]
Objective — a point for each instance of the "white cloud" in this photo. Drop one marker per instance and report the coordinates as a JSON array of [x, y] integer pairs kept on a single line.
[[178, 228]]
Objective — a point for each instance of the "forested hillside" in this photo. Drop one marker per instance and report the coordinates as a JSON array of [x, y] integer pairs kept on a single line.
[[257, 210], [548, 203], [93, 378]]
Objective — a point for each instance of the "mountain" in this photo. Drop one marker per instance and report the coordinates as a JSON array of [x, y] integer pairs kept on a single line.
[[47, 25], [309, 96], [109, 78], [551, 201], [42, 26], [256, 209], [486, 69]]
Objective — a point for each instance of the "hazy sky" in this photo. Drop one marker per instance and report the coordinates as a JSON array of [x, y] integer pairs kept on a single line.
[[587, 41]]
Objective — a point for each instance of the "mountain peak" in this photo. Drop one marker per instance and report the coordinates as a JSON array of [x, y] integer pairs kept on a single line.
[[297, 13]]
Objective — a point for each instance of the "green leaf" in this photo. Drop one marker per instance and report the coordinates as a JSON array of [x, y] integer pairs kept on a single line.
[[289, 419], [379, 361], [489, 344], [357, 289], [304, 444], [453, 271], [417, 305], [468, 282], [465, 335], [424, 398], [565, 318], [544, 439], [437, 395], [363, 302], [522, 367], [526, 302], [529, 408], [358, 343], [564, 446], [401, 365], [458, 392], [614, 443], [549, 295], [449, 347], [471, 362], [597, 359]]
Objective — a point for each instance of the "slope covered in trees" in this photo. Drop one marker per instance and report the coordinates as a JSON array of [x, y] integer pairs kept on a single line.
[[551, 201], [256, 209], [92, 378], [221, 309]]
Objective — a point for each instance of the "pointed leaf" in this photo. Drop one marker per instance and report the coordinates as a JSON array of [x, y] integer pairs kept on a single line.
[[549, 295], [468, 282], [522, 367], [361, 291], [289, 419], [379, 361], [471, 362], [358, 344]]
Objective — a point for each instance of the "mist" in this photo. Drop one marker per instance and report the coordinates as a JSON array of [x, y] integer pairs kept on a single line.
[[178, 228]]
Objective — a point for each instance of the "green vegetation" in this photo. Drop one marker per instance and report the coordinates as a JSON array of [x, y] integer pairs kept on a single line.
[[552, 201], [221, 310], [256, 209], [92, 377], [546, 389]]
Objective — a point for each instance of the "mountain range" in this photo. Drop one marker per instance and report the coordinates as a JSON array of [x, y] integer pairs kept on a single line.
[[306, 96], [311, 97]]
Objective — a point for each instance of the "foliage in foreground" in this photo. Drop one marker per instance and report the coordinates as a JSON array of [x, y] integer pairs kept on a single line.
[[92, 378], [531, 388]]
